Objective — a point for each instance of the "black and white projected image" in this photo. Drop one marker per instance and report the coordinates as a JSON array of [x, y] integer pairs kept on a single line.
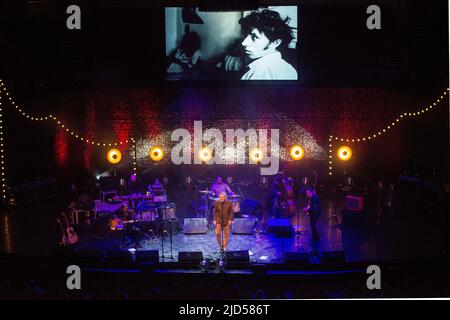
[[232, 45]]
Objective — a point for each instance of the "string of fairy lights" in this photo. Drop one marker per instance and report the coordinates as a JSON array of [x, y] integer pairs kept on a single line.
[[114, 155], [344, 153], [2, 151], [5, 94]]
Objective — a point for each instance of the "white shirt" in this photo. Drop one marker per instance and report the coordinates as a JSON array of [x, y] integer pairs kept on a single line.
[[270, 67]]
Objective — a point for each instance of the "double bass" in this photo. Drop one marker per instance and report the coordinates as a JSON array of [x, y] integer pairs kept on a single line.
[[288, 200]]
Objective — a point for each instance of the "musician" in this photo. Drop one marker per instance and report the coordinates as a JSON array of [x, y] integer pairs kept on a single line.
[[220, 186], [156, 188], [134, 185], [119, 215], [313, 210], [223, 218], [274, 201]]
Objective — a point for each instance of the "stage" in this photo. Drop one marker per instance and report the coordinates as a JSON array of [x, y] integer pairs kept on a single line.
[[401, 235]]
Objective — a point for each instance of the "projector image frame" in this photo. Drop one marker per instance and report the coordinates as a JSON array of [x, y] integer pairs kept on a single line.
[[258, 46]]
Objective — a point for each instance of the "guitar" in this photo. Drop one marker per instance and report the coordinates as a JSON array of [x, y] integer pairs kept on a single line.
[[307, 208], [63, 233], [72, 237]]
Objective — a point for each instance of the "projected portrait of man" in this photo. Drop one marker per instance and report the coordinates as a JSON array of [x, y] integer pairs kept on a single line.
[[265, 35]]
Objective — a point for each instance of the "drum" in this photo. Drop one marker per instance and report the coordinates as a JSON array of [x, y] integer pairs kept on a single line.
[[168, 211]]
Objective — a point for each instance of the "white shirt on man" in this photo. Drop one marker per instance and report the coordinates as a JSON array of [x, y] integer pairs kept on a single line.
[[270, 67]]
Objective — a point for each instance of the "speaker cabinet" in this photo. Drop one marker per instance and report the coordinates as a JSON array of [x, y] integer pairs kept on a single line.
[[147, 256], [353, 203], [195, 226], [243, 226], [190, 256], [237, 256]]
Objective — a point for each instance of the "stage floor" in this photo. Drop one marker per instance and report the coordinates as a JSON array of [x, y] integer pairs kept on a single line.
[[31, 230]]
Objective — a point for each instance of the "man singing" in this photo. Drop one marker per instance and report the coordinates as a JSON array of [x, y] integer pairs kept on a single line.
[[223, 218]]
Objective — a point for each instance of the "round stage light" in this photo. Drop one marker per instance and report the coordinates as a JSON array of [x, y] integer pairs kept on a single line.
[[114, 156], [156, 153], [205, 154], [297, 152], [256, 155], [344, 153]]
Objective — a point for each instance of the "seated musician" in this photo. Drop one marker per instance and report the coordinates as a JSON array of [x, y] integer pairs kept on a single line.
[[120, 215], [157, 188], [220, 187]]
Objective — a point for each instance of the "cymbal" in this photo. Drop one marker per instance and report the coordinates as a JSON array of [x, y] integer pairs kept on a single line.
[[204, 191]]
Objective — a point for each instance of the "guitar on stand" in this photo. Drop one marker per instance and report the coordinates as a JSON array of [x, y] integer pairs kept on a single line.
[[71, 235], [63, 241]]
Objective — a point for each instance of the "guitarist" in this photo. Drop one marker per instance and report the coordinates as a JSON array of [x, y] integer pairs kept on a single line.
[[313, 210]]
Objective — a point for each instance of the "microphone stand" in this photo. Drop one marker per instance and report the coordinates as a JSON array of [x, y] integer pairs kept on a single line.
[[221, 234], [170, 237], [162, 239]]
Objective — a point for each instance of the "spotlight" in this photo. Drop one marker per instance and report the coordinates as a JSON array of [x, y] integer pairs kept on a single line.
[[114, 156], [344, 153], [205, 154], [297, 152], [156, 153], [256, 155]]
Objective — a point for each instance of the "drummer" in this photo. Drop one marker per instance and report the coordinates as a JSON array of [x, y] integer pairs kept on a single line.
[[220, 186]]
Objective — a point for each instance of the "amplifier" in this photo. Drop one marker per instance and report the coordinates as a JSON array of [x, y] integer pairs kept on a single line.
[[168, 211], [243, 226], [280, 227], [195, 225], [353, 203]]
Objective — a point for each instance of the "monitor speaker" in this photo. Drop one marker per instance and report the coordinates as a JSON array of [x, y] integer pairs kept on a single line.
[[190, 256], [237, 256], [147, 256]]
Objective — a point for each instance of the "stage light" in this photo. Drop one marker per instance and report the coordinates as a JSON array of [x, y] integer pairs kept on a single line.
[[256, 155], [344, 153], [114, 156], [297, 152], [205, 154], [156, 153]]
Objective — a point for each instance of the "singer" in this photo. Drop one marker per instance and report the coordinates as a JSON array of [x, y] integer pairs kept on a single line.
[[223, 218]]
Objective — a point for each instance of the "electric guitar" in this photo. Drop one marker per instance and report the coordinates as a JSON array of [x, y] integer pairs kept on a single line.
[[307, 208], [72, 237]]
